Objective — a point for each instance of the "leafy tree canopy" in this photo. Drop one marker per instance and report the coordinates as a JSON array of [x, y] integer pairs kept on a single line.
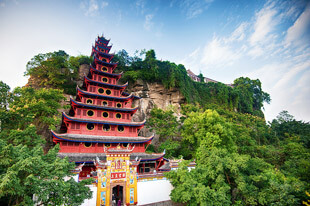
[[56, 70], [25, 169]]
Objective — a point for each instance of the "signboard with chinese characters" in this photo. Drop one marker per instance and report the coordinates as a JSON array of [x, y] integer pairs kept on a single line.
[[118, 175]]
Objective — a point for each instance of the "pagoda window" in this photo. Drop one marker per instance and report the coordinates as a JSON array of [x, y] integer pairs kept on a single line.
[[111, 114], [125, 145], [100, 90], [70, 143], [106, 127], [118, 105], [110, 104], [127, 116], [84, 112], [130, 129], [104, 69], [78, 111], [72, 125], [105, 114], [98, 101], [105, 103], [89, 101], [90, 113], [108, 92], [113, 128], [100, 145], [104, 79], [110, 81], [77, 126], [98, 114], [123, 117], [87, 144], [107, 145], [90, 126], [118, 115], [120, 128]]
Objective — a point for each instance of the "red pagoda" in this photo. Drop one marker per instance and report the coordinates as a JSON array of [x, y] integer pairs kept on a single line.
[[99, 136]]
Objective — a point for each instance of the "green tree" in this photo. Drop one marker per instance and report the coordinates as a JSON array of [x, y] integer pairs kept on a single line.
[[25, 169], [251, 95], [28, 171], [56, 70]]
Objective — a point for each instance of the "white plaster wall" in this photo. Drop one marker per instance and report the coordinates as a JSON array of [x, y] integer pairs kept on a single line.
[[92, 201], [153, 191]]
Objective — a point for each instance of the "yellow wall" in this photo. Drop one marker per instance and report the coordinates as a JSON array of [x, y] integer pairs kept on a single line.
[[117, 164]]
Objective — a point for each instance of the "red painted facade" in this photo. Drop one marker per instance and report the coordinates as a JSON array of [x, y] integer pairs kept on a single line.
[[100, 118]]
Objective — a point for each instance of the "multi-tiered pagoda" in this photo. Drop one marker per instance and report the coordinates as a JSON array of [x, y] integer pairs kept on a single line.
[[98, 133]]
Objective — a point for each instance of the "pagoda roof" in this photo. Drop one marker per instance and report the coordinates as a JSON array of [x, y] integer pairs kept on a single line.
[[108, 55], [95, 121], [105, 47], [103, 40], [90, 157], [106, 97], [100, 139], [105, 63], [92, 69], [105, 84], [103, 107]]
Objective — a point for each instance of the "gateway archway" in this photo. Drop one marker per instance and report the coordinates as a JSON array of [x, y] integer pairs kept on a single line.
[[118, 195]]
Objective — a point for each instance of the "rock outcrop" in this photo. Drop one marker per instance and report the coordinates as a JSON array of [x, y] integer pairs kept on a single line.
[[154, 95]]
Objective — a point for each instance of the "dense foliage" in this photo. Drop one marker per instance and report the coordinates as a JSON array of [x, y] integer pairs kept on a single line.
[[24, 167], [240, 159], [246, 96], [56, 70]]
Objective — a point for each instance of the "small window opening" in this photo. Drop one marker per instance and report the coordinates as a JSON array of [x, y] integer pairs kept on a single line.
[[89, 101], [120, 128], [101, 91], [105, 114], [87, 144], [118, 115], [106, 127], [108, 92], [90, 126], [90, 113]]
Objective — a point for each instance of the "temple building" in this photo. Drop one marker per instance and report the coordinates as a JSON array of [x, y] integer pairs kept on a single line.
[[98, 134]]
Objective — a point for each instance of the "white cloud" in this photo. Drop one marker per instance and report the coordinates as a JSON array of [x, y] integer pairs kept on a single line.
[[140, 5], [265, 23], [90, 7], [104, 4], [299, 33], [193, 8], [218, 54], [237, 35], [148, 23]]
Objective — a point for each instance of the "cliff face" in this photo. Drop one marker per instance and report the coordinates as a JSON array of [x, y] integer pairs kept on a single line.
[[154, 95]]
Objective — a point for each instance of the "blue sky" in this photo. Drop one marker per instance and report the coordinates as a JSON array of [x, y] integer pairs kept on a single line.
[[223, 40]]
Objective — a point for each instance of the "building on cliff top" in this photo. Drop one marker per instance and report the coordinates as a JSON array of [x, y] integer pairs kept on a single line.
[[99, 136], [195, 78]]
